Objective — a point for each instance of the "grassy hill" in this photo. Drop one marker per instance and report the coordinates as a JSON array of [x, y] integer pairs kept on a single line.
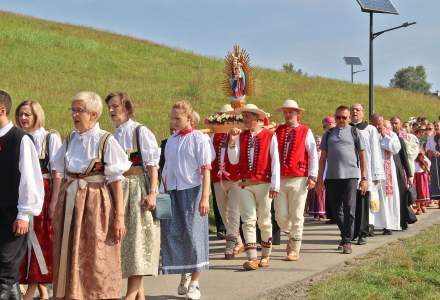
[[50, 62]]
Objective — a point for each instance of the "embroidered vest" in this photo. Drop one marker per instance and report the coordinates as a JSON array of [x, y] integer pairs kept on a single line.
[[44, 153], [223, 170], [260, 168], [294, 160]]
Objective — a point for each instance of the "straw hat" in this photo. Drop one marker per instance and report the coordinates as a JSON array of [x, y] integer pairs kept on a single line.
[[253, 109], [289, 103], [227, 108]]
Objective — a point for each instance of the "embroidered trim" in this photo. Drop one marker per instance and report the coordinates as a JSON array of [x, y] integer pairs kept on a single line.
[[250, 246], [199, 265], [267, 244]]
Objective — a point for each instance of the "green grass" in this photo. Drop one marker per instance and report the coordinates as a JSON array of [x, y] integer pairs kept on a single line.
[[50, 62], [408, 269]]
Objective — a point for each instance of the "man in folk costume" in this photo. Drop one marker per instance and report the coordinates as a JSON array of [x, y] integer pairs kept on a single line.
[[299, 169], [225, 177], [22, 189], [388, 216], [370, 135], [255, 150]]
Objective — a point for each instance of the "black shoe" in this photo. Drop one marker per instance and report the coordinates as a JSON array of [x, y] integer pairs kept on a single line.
[[362, 240], [221, 235], [387, 232], [330, 222], [15, 293], [346, 249], [370, 231]]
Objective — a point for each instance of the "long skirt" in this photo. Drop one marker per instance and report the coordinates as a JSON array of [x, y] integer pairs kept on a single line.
[[141, 246], [93, 257], [185, 245], [31, 272], [316, 203], [434, 186], [421, 181]]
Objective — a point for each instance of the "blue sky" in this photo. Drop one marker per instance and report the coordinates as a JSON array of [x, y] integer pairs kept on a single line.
[[314, 35]]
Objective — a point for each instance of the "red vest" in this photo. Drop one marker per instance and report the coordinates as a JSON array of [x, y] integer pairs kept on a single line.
[[228, 172], [260, 169], [294, 160]]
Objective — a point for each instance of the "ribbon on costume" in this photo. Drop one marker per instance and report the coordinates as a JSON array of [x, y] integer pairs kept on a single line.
[[33, 243], [74, 185]]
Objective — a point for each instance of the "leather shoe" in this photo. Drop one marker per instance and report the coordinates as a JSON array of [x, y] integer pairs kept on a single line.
[[362, 240], [251, 265]]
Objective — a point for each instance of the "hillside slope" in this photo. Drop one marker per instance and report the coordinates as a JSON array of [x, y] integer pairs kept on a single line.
[[50, 62]]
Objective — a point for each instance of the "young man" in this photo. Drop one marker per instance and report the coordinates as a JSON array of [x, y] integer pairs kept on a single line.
[[22, 189], [343, 149], [299, 169], [255, 150], [364, 217]]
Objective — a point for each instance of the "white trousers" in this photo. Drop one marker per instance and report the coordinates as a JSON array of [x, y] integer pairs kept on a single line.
[[227, 194], [290, 204], [255, 206]]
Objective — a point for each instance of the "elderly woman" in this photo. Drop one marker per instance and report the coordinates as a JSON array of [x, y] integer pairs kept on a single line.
[[37, 265], [89, 214], [141, 246], [186, 177]]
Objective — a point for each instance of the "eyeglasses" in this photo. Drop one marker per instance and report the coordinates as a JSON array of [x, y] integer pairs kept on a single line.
[[341, 117], [77, 110]]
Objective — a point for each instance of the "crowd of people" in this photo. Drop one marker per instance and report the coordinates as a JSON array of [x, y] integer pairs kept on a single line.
[[81, 213]]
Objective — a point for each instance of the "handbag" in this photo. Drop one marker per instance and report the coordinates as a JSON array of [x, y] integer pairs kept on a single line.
[[412, 218], [411, 195], [162, 211]]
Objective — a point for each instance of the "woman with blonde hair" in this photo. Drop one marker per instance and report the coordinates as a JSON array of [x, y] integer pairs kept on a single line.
[[89, 214], [141, 246], [36, 269], [186, 177]]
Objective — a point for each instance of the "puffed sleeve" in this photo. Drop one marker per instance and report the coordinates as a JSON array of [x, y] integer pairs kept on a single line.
[[31, 188], [149, 149], [204, 155], [57, 163], [116, 161], [54, 145]]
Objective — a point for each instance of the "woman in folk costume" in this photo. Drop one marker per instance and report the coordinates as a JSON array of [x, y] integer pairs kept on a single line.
[[186, 177], [37, 265], [225, 177], [388, 216], [141, 246], [255, 150], [433, 153], [89, 213], [421, 181]]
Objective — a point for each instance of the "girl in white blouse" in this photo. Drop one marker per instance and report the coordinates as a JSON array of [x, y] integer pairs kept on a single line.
[[89, 220], [186, 177], [36, 269], [141, 246]]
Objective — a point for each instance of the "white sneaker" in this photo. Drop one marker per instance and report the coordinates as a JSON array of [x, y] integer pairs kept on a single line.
[[182, 289], [193, 292]]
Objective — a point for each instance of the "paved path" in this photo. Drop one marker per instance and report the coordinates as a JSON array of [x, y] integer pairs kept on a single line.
[[227, 280]]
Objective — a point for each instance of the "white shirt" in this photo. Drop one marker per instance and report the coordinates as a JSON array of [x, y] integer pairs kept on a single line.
[[150, 151], [84, 147], [185, 156], [31, 188], [234, 156], [418, 168], [54, 143]]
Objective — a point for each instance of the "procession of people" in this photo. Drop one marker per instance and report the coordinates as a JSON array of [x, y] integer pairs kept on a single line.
[[85, 211]]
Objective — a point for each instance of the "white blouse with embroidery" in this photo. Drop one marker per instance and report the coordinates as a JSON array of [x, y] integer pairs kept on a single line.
[[147, 141], [84, 147], [185, 157], [54, 143]]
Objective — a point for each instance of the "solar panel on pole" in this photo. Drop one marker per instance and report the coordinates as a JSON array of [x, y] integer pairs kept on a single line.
[[378, 6], [350, 60]]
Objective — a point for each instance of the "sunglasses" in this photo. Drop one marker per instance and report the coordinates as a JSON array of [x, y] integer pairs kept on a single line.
[[341, 117]]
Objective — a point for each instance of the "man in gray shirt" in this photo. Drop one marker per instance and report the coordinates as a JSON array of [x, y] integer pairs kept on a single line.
[[343, 149]]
